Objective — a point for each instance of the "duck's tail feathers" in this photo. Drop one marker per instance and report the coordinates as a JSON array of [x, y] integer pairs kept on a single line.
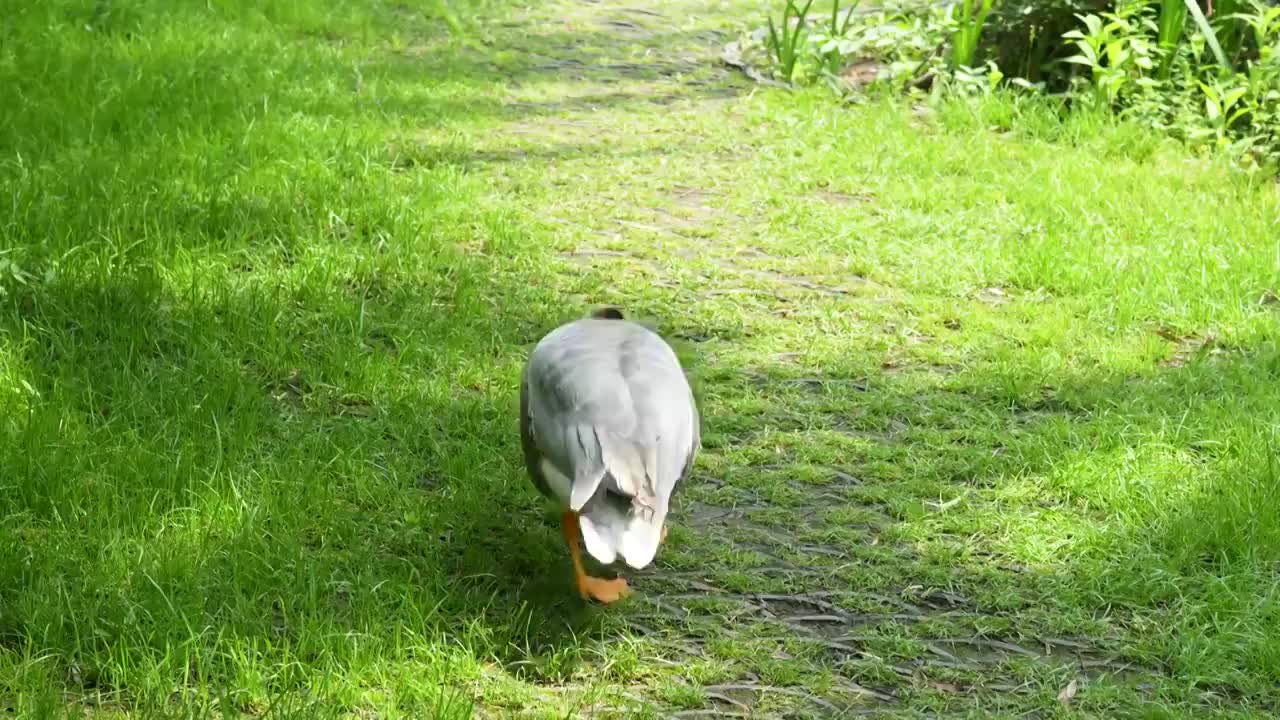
[[625, 517], [610, 530]]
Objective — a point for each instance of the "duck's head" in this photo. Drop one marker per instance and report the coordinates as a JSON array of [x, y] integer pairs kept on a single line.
[[607, 313]]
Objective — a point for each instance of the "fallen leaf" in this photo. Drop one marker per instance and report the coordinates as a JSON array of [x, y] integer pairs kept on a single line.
[[861, 72], [1069, 692], [993, 296], [1188, 347]]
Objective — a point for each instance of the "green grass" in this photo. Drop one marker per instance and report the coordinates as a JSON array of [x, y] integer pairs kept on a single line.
[[990, 398]]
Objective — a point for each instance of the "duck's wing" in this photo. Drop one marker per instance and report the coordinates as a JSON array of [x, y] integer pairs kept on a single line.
[[577, 410], [529, 445]]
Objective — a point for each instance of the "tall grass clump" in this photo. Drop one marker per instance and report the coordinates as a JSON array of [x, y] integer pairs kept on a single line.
[[786, 38]]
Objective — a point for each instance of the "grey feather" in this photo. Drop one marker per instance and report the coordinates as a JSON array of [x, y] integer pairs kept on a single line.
[[605, 404]]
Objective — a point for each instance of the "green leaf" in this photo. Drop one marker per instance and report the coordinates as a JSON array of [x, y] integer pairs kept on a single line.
[[1233, 117]]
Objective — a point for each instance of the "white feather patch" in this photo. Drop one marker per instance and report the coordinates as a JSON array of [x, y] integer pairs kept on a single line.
[[640, 542], [600, 541]]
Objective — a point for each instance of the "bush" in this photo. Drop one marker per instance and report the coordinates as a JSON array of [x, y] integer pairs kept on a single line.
[[1025, 36], [1205, 80]]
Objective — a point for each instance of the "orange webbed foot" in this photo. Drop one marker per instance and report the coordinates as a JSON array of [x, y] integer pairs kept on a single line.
[[601, 590]]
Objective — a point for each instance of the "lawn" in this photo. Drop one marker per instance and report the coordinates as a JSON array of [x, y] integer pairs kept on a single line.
[[990, 398]]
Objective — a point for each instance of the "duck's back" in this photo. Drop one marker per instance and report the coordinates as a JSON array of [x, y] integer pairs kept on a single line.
[[605, 402], [614, 374]]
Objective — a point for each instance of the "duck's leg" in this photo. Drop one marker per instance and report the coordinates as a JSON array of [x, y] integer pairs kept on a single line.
[[599, 589]]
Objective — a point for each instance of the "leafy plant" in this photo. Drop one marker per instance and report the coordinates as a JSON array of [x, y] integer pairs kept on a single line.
[[969, 16], [839, 27], [1264, 26], [831, 51], [1230, 31], [1024, 37], [891, 44], [785, 43], [977, 80], [1223, 107], [1206, 79], [1114, 51]]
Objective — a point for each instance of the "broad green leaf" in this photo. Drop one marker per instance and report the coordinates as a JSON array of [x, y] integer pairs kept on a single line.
[[1233, 96], [1211, 109]]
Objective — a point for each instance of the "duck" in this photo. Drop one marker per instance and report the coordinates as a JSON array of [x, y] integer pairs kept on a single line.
[[609, 427]]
